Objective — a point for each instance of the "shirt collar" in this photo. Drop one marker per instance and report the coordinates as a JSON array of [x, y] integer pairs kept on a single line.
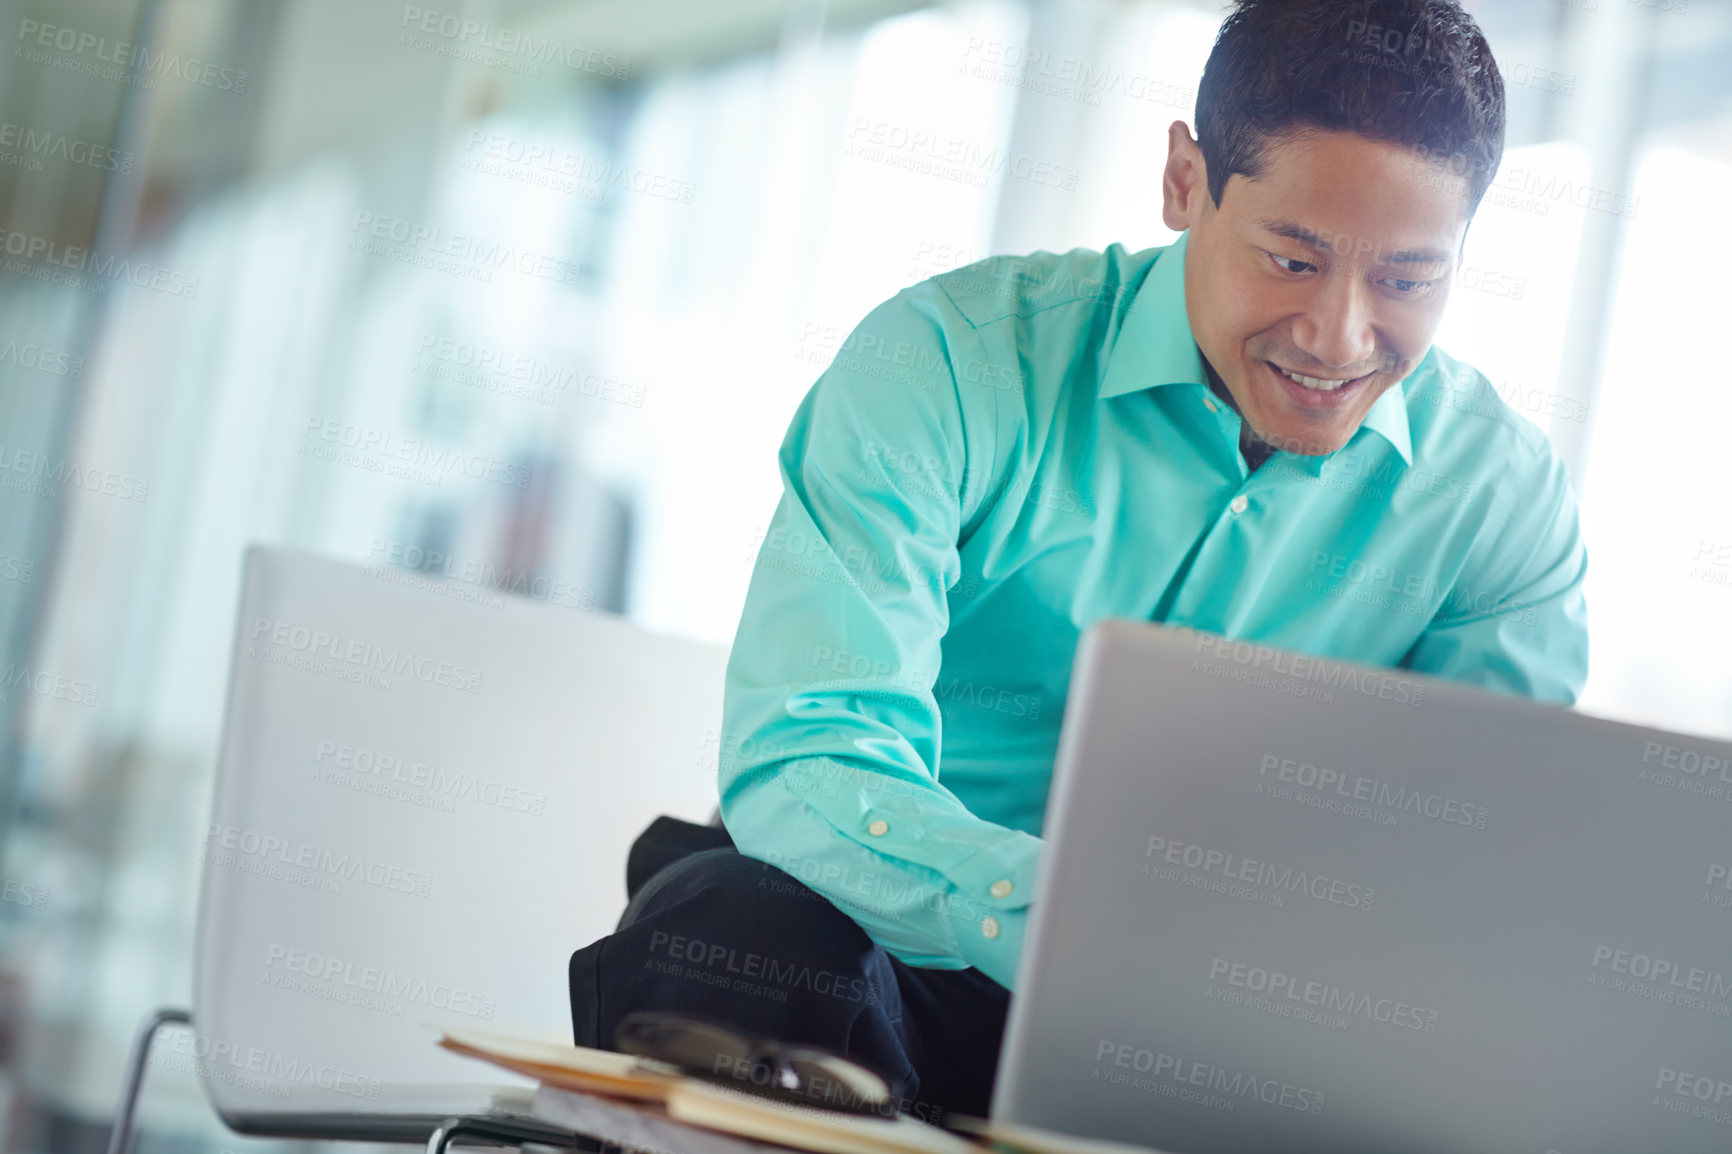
[[1155, 347]]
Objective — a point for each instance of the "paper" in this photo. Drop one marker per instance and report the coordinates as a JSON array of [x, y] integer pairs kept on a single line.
[[806, 1127], [569, 1067]]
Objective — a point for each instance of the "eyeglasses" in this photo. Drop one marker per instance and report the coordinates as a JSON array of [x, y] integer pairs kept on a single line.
[[804, 1075]]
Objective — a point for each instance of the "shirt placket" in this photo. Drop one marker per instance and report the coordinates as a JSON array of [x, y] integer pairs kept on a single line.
[[1206, 590]]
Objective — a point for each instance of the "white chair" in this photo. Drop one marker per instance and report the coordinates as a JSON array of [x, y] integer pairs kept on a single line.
[[425, 795]]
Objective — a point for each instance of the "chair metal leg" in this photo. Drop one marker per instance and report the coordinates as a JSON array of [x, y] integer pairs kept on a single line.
[[494, 1130], [120, 1137]]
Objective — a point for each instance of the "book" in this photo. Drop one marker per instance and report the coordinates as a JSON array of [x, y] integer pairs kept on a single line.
[[808, 1127], [569, 1067], [1030, 1140], [655, 1098]]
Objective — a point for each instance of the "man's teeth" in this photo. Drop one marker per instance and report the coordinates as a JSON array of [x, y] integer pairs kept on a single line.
[[1317, 383]]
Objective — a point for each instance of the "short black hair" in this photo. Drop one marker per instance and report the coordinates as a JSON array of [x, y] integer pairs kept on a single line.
[[1412, 72]]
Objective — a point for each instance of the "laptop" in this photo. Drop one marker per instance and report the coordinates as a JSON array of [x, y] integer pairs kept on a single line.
[[1295, 906]]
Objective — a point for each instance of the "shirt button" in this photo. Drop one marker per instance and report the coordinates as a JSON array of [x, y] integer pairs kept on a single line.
[[1239, 503], [878, 828], [1210, 401], [989, 927], [1001, 888]]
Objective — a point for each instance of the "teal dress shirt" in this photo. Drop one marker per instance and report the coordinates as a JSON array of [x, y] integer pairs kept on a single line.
[[1004, 454]]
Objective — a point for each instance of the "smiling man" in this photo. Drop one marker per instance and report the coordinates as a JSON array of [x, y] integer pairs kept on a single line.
[[1247, 431]]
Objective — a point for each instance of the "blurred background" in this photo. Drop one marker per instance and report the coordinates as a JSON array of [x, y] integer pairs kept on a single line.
[[579, 260]]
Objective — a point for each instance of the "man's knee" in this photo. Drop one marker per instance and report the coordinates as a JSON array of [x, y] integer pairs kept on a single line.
[[734, 940], [719, 896]]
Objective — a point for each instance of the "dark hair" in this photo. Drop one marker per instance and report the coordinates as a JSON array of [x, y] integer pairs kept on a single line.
[[1412, 72]]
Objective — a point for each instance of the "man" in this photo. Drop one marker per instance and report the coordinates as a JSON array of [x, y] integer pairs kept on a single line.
[[1246, 432]]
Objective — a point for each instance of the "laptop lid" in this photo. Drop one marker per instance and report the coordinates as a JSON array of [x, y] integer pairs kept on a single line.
[[1295, 905]]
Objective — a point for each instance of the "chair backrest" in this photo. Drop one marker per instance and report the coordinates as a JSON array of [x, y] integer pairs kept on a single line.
[[425, 795]]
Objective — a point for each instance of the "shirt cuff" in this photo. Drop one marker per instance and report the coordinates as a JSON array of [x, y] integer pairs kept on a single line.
[[989, 905], [994, 945]]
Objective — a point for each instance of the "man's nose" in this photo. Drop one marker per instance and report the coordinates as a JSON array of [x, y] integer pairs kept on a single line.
[[1337, 329]]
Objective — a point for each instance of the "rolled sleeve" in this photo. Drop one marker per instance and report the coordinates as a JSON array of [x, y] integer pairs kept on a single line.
[[832, 733], [1516, 619]]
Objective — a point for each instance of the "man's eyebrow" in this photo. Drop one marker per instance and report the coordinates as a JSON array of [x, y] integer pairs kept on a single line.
[[1316, 241]]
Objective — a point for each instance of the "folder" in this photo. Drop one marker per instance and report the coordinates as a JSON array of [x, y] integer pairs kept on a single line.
[[640, 1100]]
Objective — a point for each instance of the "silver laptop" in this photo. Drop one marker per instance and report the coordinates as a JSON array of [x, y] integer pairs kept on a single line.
[[1292, 905]]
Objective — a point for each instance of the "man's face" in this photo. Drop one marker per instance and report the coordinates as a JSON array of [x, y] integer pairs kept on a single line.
[[1334, 265]]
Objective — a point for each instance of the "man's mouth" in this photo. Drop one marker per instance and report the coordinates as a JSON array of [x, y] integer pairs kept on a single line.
[[1318, 384], [1321, 393]]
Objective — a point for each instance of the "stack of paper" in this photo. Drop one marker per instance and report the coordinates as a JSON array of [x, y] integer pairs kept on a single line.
[[653, 1106], [569, 1067]]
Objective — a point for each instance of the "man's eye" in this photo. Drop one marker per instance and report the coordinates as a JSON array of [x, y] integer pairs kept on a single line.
[[1283, 263], [1408, 287]]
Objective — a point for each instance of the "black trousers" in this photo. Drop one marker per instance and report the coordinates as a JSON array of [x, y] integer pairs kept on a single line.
[[721, 936]]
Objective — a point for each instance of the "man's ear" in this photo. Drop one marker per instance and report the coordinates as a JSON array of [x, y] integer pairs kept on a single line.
[[1185, 181]]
